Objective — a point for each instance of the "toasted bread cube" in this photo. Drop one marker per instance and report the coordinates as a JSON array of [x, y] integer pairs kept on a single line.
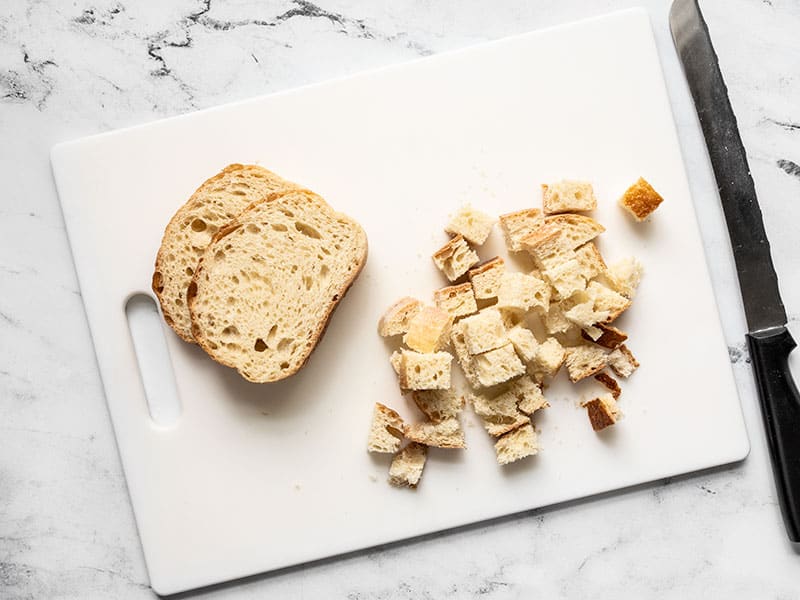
[[625, 276], [425, 371], [500, 414], [610, 336], [407, 465], [519, 291], [462, 354], [438, 405], [555, 321], [576, 230], [529, 395], [443, 434], [568, 196], [518, 225], [607, 301], [386, 431], [498, 365], [524, 342], [428, 330], [609, 382], [455, 258], [517, 444], [590, 260], [473, 224], [458, 300], [640, 200], [622, 361], [485, 278], [584, 361], [566, 278], [395, 320], [549, 357], [484, 331], [603, 411]]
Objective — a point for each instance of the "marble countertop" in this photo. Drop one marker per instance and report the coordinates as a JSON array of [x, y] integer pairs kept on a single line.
[[73, 69]]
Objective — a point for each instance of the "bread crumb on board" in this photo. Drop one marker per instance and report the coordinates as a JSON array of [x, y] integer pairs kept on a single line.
[[510, 331]]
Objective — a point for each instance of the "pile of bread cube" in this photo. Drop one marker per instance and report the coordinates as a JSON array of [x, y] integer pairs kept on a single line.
[[511, 332]]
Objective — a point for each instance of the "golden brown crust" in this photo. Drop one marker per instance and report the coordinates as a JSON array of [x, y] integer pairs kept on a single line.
[[610, 338], [640, 200], [316, 336], [610, 383], [599, 415]]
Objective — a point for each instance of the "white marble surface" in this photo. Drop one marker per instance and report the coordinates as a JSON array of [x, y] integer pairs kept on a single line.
[[72, 69]]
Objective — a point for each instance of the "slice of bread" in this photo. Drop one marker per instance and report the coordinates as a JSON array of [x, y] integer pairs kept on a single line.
[[438, 405], [215, 203], [458, 300], [407, 465], [443, 434], [485, 278], [603, 411], [640, 200], [386, 431], [568, 196], [517, 444], [473, 224], [520, 224], [455, 258], [428, 330], [395, 320], [269, 281]]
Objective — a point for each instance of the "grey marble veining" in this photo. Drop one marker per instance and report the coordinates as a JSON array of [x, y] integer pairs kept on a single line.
[[72, 69]]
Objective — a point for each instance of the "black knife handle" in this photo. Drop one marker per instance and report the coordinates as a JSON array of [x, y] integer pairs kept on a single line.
[[780, 406]]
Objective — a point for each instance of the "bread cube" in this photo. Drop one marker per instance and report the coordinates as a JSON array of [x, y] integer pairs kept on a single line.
[[609, 382], [610, 336], [443, 434], [640, 200], [555, 321], [625, 276], [519, 291], [517, 444], [524, 342], [458, 300], [438, 405], [484, 331], [428, 330], [607, 301], [576, 230], [386, 431], [500, 414], [546, 247], [462, 354], [396, 360], [498, 365], [584, 314], [529, 395], [603, 411], [518, 225], [566, 278], [549, 357], [590, 260], [455, 258], [407, 465], [485, 278], [622, 361], [420, 371], [473, 224], [585, 360], [568, 196], [395, 320]]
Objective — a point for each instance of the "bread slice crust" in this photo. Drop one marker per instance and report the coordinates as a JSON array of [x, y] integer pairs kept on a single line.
[[279, 340]]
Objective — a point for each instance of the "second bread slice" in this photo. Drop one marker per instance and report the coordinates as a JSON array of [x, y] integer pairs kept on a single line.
[[269, 281]]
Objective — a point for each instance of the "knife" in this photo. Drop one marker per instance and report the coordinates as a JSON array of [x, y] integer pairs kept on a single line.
[[768, 338]]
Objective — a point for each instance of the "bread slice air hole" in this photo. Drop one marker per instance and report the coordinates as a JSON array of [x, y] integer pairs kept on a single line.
[[260, 345], [279, 227], [307, 230], [198, 225], [253, 228]]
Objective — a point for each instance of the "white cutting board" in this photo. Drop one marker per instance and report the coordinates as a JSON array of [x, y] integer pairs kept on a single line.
[[257, 477]]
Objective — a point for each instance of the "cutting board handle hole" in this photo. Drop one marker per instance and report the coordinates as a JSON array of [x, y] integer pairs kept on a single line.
[[152, 356]]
